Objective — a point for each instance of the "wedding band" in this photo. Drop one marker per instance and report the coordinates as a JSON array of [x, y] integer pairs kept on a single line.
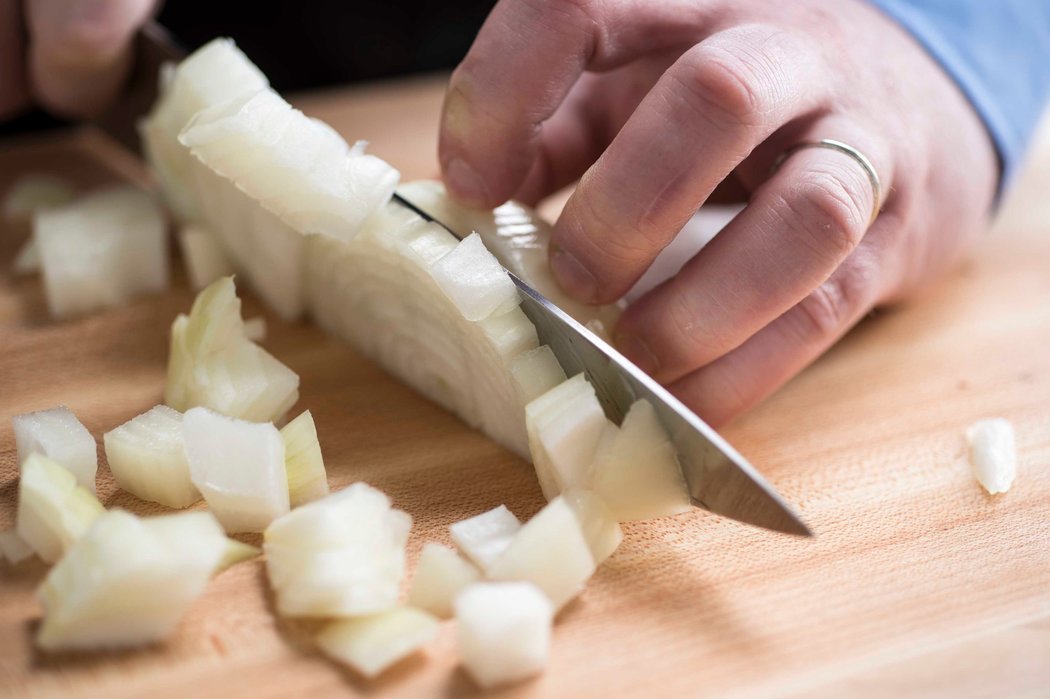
[[862, 160]]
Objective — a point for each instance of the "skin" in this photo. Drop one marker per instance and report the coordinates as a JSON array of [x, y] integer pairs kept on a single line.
[[658, 106]]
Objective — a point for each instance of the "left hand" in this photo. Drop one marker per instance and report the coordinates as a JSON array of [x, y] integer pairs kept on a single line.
[[659, 103]]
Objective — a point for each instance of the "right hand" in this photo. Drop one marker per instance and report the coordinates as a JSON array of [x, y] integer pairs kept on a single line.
[[71, 58]]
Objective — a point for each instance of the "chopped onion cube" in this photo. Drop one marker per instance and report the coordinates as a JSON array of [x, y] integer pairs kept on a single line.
[[33, 193], [53, 511], [58, 435], [993, 453], [504, 631], [551, 551], [147, 456], [27, 259], [101, 250], [128, 581], [255, 329], [203, 255], [307, 479], [238, 466], [483, 538], [600, 528], [342, 555], [535, 372], [440, 575], [371, 644], [474, 281], [236, 552], [637, 473], [13, 547]]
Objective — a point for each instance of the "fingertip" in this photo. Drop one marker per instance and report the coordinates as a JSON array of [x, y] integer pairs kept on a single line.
[[465, 184]]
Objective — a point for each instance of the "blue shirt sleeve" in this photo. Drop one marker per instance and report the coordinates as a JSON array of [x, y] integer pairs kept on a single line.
[[998, 51]]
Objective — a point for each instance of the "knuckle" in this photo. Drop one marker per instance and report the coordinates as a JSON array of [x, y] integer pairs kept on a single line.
[[832, 307], [686, 329], [826, 207], [729, 86]]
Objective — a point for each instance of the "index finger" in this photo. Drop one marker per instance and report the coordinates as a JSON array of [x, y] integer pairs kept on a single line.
[[521, 66]]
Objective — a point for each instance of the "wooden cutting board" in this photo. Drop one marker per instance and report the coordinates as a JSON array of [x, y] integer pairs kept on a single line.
[[917, 583]]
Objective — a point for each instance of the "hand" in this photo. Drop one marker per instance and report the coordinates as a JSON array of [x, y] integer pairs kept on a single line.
[[659, 105], [75, 58]]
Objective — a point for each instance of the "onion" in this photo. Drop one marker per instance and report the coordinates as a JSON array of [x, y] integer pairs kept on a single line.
[[53, 510], [440, 575], [472, 279], [213, 364], [342, 555], [147, 456], [504, 631], [483, 538], [371, 644], [101, 250], [203, 255], [307, 479], [255, 329], [993, 453], [551, 551], [128, 581], [238, 466], [58, 435], [599, 525], [13, 547]]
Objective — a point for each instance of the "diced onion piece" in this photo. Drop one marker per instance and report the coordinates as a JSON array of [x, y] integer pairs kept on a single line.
[[27, 259], [551, 551], [535, 372], [440, 575], [993, 453], [504, 631], [371, 644], [307, 479], [600, 528], [637, 474], [13, 547], [483, 538], [516, 235], [236, 552], [302, 172], [53, 511], [564, 426], [128, 581], [203, 255], [255, 329], [32, 193], [342, 555], [58, 435], [216, 72], [474, 281], [147, 456], [238, 466], [101, 250]]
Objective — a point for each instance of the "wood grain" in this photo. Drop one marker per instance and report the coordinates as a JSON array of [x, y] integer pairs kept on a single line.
[[918, 583]]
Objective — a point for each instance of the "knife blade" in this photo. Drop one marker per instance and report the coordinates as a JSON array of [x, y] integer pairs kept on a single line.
[[720, 479]]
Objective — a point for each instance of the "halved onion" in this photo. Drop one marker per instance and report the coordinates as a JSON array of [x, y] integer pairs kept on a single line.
[[504, 631], [147, 456], [307, 478], [238, 466], [371, 644], [484, 537], [57, 434], [440, 575], [53, 510]]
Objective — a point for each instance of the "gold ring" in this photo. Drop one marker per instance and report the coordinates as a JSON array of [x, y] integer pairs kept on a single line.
[[869, 169]]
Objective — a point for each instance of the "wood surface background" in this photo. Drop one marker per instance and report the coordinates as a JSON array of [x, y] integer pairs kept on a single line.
[[917, 583]]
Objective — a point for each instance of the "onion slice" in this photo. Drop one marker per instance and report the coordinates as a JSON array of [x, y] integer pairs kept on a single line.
[[60, 436], [484, 537], [371, 644], [53, 510], [440, 575], [204, 257], [307, 478]]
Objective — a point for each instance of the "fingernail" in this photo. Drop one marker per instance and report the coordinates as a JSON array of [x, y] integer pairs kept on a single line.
[[573, 277], [465, 183], [637, 350]]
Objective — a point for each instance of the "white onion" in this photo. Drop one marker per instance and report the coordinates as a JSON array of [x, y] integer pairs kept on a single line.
[[13, 547], [203, 255], [342, 555], [57, 434], [371, 644], [101, 250], [238, 466], [504, 631], [147, 456], [484, 537], [440, 575], [473, 280], [993, 453], [551, 551], [53, 510], [307, 479], [255, 329], [599, 525]]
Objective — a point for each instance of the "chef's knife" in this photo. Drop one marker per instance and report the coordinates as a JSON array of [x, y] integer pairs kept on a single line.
[[720, 479]]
